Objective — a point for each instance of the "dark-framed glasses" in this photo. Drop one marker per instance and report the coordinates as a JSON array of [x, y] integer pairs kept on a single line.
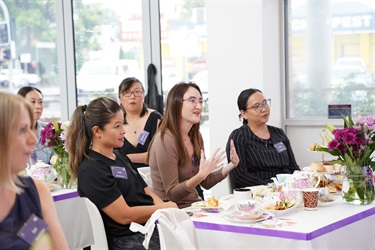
[[136, 93], [193, 100], [259, 107]]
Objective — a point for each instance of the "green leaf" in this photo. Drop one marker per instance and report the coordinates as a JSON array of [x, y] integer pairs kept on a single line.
[[330, 127]]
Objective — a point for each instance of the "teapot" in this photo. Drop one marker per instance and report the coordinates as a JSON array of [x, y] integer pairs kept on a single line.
[[296, 181], [42, 171]]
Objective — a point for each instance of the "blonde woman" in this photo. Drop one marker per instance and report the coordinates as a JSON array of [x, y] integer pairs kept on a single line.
[[22, 199]]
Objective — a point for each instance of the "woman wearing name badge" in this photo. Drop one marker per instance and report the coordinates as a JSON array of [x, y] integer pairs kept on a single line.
[[35, 97], [176, 155], [28, 218], [141, 122], [264, 150], [107, 177]]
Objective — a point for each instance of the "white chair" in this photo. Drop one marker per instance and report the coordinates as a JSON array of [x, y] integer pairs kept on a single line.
[[176, 229], [97, 226]]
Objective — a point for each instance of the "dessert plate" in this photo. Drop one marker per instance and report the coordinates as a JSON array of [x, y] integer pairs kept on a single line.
[[52, 187], [239, 217], [203, 206], [282, 212]]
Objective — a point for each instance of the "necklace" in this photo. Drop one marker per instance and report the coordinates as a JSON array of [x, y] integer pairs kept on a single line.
[[131, 128], [265, 141]]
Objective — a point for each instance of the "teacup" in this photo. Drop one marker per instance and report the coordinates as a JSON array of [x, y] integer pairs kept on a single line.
[[242, 194], [246, 206]]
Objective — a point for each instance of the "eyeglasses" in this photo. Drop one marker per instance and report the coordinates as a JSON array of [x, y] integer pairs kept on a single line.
[[259, 107], [136, 93], [195, 101]]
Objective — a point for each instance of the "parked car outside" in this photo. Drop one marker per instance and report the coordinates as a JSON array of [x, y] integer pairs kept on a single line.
[[105, 76], [15, 76]]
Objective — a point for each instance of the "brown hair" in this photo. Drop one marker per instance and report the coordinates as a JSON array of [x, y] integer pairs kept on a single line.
[[79, 136], [172, 122]]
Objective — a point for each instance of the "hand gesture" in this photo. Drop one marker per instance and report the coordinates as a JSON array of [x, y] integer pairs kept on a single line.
[[233, 154], [213, 163]]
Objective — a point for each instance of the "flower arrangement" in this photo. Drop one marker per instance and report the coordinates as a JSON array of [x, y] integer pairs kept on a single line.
[[53, 135], [353, 146]]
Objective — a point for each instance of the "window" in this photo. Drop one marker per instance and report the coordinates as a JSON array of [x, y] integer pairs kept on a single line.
[[108, 44], [29, 52], [330, 57], [184, 45]]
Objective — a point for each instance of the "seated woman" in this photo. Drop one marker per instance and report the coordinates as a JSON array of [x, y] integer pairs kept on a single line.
[[22, 199], [108, 178], [176, 155], [264, 150], [140, 121], [35, 97]]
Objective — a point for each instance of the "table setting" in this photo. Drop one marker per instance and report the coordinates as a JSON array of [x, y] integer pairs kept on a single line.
[[237, 223]]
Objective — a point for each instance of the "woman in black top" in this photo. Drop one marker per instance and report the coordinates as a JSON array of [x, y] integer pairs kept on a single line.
[[264, 150], [107, 177], [141, 122]]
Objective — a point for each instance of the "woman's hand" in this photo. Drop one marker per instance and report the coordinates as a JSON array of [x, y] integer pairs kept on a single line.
[[213, 163], [234, 160], [233, 154], [169, 204]]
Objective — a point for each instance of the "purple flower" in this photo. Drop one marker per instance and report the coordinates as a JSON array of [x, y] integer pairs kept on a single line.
[[332, 145]]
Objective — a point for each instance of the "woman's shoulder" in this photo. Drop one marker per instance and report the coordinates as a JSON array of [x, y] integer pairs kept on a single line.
[[164, 137], [275, 129], [154, 112], [241, 130]]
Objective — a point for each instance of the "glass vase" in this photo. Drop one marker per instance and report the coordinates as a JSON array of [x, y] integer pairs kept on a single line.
[[358, 186], [64, 174]]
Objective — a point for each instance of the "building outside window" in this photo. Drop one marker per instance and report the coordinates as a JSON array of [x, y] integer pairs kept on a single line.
[[330, 57]]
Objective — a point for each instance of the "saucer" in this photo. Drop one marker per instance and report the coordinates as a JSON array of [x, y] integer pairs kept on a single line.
[[240, 217]]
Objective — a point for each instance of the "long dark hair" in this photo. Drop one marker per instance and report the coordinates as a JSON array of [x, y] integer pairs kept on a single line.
[[242, 101], [124, 86], [79, 137], [172, 121]]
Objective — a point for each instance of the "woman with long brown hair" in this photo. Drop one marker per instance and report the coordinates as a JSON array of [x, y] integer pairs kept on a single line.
[[176, 154]]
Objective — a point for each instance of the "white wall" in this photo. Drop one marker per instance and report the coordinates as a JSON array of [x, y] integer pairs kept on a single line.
[[244, 51]]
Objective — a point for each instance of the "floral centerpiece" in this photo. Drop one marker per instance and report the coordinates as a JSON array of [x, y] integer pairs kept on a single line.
[[53, 136], [353, 146]]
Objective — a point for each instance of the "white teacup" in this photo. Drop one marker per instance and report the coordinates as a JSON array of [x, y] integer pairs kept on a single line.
[[242, 194]]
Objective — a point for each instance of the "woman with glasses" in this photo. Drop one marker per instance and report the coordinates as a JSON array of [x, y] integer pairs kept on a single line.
[[140, 121], [264, 150], [176, 154]]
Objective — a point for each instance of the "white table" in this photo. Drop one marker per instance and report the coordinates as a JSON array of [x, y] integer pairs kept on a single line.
[[74, 218], [338, 226]]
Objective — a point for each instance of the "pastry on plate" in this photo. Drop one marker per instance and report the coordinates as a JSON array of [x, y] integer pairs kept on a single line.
[[317, 166]]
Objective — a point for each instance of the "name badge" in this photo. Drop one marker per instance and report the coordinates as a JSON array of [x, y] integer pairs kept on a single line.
[[143, 137], [280, 147], [119, 172], [31, 230]]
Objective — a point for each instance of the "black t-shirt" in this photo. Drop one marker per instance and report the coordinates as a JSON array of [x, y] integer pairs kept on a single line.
[[96, 182]]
